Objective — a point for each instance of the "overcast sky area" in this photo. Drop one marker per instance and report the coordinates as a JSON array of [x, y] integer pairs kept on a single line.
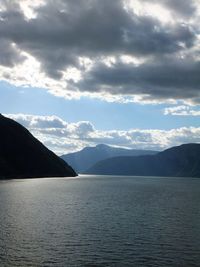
[[120, 72]]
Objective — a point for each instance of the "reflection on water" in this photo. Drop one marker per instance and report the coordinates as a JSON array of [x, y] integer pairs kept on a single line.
[[100, 221]]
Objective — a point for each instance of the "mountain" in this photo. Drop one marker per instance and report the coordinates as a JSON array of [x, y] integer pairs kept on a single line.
[[23, 156], [177, 161], [87, 157]]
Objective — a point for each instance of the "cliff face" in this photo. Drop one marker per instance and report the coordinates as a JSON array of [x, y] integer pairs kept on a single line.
[[179, 161], [23, 156]]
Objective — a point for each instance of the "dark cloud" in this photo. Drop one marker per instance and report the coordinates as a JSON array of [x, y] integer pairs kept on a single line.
[[65, 30], [163, 79], [183, 7], [9, 54]]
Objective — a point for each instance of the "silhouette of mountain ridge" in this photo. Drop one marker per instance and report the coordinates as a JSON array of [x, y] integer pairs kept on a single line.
[[177, 161], [23, 156]]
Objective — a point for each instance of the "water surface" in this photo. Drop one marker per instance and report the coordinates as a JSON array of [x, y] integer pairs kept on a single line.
[[100, 221]]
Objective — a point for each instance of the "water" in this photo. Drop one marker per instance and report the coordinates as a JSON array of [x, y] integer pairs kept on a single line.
[[100, 221]]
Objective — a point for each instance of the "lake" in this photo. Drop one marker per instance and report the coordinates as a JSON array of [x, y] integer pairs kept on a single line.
[[98, 221]]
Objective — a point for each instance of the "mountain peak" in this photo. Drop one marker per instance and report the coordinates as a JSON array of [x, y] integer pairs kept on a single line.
[[102, 146], [88, 156]]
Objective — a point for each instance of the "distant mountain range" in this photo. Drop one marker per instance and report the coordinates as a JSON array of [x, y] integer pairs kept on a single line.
[[87, 157], [177, 161], [23, 156]]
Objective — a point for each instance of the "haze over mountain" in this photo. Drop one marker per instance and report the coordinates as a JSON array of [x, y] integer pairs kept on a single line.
[[87, 157], [182, 161], [23, 156]]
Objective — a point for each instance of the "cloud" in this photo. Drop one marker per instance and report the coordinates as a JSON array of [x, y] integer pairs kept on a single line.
[[181, 111], [9, 54], [163, 79], [180, 7], [33, 121], [65, 46], [74, 136]]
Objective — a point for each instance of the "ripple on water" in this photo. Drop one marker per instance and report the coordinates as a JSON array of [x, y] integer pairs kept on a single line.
[[100, 221]]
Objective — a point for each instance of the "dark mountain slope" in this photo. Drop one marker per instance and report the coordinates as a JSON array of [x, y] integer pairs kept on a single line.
[[23, 156], [177, 161], [87, 157]]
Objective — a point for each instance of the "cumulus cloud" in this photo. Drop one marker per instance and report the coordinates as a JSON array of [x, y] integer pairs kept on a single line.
[[31, 121], [65, 46], [64, 137], [181, 111]]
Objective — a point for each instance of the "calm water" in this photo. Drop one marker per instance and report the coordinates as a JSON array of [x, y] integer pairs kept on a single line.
[[100, 221]]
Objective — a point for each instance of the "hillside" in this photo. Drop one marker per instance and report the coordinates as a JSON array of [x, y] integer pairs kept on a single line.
[[23, 156], [87, 157], [182, 160]]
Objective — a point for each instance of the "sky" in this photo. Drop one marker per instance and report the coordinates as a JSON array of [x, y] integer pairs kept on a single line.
[[124, 73]]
